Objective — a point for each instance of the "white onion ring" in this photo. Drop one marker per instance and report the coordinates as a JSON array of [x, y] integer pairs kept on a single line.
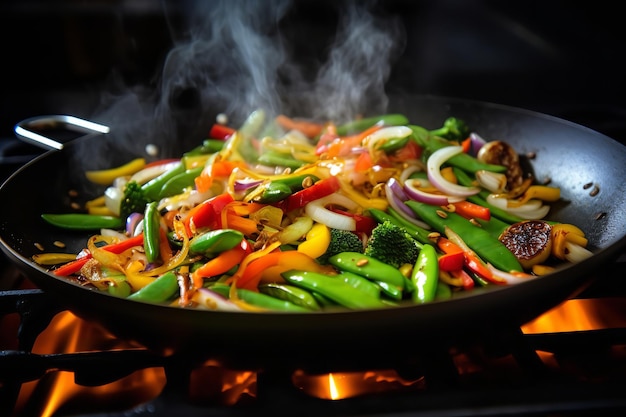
[[317, 210], [153, 171], [433, 169], [531, 210]]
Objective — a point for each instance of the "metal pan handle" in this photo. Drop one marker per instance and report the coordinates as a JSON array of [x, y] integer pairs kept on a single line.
[[27, 129]]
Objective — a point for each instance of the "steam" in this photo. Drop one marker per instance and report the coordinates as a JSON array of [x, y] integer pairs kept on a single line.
[[236, 57]]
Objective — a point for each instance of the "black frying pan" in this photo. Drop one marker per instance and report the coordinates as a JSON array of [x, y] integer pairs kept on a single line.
[[569, 154]]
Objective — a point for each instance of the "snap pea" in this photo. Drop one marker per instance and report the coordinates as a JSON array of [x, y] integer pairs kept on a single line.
[[208, 146], [178, 183], [360, 282], [425, 275], [83, 221], [151, 226], [152, 188], [119, 288], [480, 241], [368, 267], [443, 291], [215, 241], [279, 159], [277, 190], [159, 290], [291, 293], [262, 300], [394, 144], [336, 289], [365, 123]]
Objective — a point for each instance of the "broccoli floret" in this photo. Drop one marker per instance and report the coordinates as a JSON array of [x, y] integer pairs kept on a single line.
[[392, 244], [341, 241], [452, 129], [134, 200]]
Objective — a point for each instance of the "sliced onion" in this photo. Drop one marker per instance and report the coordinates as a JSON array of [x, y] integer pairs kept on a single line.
[[492, 181], [406, 172], [396, 187], [476, 142], [403, 210], [132, 221], [429, 198], [245, 184], [386, 133], [508, 277], [113, 199], [532, 210], [211, 300], [153, 171], [433, 169], [576, 253], [317, 210]]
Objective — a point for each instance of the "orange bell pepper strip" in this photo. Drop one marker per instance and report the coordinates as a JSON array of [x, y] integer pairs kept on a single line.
[[308, 128], [344, 145], [221, 264], [471, 210]]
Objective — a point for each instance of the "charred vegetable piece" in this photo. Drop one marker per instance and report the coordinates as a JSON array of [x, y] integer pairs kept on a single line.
[[530, 241], [501, 153]]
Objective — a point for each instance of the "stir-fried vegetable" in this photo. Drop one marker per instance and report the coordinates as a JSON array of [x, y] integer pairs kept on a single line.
[[293, 215]]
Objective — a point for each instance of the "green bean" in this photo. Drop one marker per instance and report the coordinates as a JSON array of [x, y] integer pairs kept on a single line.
[[83, 221], [152, 188], [208, 146], [291, 293], [178, 183], [280, 159], [151, 226], [425, 275]]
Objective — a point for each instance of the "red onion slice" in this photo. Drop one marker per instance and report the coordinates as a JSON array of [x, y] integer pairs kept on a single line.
[[416, 194], [433, 168], [211, 300]]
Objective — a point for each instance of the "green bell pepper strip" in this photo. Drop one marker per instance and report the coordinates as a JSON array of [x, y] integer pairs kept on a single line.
[[178, 183], [151, 226], [425, 275], [277, 190], [486, 246], [291, 293], [368, 267], [365, 123], [418, 233], [215, 241], [152, 188], [336, 289], [83, 221], [160, 290]]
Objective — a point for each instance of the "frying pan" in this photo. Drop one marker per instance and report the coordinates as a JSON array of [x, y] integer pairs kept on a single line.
[[570, 155]]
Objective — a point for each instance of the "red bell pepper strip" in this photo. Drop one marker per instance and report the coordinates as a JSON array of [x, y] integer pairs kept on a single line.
[[468, 282], [471, 210], [451, 261], [219, 131], [301, 198], [207, 214], [471, 260], [117, 248]]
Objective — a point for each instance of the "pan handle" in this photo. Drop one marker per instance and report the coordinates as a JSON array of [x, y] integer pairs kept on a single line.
[[27, 129]]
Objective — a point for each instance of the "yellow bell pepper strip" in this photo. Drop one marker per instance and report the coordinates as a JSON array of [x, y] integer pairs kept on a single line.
[[151, 227], [107, 176], [561, 234], [52, 258], [135, 278], [317, 241], [159, 290], [279, 261], [425, 275], [368, 267], [221, 264], [541, 192], [336, 289]]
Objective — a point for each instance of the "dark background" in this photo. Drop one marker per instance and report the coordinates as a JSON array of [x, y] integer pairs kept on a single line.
[[564, 58]]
